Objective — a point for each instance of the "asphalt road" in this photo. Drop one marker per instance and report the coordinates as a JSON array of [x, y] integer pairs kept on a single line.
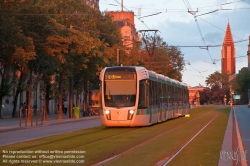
[[48, 129], [243, 118]]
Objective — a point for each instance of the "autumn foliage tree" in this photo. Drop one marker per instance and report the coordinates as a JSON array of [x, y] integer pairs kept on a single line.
[[49, 39], [241, 85], [166, 60], [219, 85]]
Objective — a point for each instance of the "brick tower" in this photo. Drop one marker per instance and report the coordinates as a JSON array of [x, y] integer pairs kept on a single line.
[[228, 53]]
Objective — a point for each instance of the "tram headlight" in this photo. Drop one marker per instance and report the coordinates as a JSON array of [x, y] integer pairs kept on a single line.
[[131, 111], [108, 114], [130, 114]]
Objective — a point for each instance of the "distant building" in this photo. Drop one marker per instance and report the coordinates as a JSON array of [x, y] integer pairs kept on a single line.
[[192, 92], [125, 21], [228, 53]]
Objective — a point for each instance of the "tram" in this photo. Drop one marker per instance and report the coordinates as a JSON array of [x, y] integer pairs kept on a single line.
[[134, 96]]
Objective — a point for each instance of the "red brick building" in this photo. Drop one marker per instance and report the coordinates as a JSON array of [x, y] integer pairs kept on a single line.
[[192, 93]]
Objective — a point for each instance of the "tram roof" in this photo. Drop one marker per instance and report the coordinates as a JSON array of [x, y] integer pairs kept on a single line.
[[121, 68]]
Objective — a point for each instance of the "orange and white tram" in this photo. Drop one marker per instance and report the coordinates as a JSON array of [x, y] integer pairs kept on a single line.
[[135, 96]]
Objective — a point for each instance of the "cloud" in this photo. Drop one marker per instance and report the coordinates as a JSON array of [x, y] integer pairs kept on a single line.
[[213, 37]]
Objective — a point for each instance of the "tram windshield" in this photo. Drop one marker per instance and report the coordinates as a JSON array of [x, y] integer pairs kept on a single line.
[[120, 89]]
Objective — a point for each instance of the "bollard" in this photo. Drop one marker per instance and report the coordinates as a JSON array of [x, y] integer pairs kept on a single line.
[[20, 116], [37, 117]]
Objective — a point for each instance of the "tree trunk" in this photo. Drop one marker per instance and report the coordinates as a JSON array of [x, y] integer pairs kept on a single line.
[[1, 98], [1, 89], [85, 103], [60, 102], [47, 97], [29, 97], [16, 95], [44, 107], [77, 98], [70, 97]]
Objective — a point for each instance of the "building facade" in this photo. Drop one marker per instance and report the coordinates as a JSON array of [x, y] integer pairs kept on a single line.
[[228, 53], [193, 92], [125, 21]]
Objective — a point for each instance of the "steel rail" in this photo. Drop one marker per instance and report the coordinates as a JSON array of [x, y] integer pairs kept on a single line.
[[179, 150], [146, 141]]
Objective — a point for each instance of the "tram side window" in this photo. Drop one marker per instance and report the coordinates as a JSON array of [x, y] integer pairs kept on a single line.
[[155, 99], [178, 96], [143, 95], [166, 94], [171, 95], [152, 90], [158, 93]]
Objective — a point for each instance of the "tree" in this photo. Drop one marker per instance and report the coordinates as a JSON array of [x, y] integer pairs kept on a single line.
[[217, 78], [205, 96], [166, 60], [242, 83], [131, 57], [218, 82], [17, 49]]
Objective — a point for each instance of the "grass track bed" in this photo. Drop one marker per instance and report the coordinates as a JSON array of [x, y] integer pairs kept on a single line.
[[205, 148], [164, 145], [101, 143]]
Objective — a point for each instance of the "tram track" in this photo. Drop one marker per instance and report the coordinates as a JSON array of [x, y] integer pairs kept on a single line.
[[136, 138], [81, 135], [150, 139], [169, 159], [114, 135]]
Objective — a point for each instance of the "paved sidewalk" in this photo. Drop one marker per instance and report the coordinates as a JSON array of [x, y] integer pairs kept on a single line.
[[7, 123], [227, 143], [11, 132]]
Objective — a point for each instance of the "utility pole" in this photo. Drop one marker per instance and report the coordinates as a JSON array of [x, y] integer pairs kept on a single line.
[[122, 5]]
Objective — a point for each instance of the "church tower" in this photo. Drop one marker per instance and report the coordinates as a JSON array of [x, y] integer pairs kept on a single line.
[[228, 53]]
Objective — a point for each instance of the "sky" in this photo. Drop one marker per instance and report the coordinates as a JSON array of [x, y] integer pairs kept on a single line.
[[178, 27]]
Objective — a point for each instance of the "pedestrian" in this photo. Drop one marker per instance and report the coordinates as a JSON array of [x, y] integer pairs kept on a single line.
[[65, 107], [24, 107]]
